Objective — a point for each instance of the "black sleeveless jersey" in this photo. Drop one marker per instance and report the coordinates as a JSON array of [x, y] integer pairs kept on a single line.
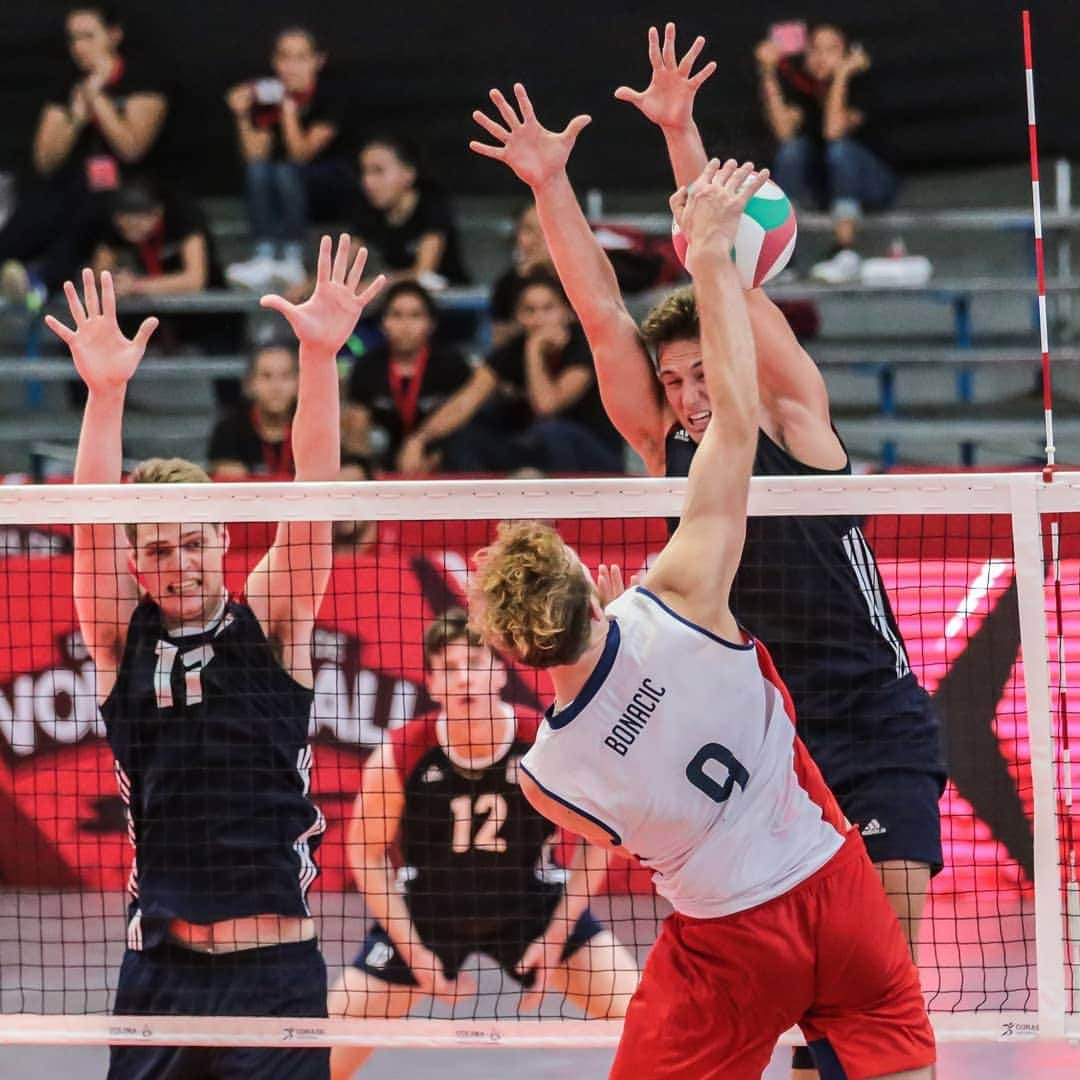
[[809, 587], [473, 847], [210, 737]]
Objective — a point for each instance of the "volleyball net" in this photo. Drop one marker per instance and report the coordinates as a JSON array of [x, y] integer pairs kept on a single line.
[[981, 571]]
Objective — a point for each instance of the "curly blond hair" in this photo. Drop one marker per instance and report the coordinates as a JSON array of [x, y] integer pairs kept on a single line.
[[530, 596], [157, 470]]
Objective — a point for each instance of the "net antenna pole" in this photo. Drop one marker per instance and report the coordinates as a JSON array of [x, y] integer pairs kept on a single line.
[[1040, 261], [1065, 789]]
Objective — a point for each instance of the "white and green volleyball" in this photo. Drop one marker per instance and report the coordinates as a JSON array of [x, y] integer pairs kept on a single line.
[[765, 238]]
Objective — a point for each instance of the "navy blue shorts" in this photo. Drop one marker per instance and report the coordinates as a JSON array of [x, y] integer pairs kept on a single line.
[[504, 943], [168, 980], [897, 813]]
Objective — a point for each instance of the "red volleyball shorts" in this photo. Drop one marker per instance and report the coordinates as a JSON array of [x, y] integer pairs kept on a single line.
[[829, 955]]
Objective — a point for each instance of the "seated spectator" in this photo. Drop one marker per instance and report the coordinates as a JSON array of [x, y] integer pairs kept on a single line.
[[255, 439], [95, 125], [827, 154], [393, 388], [530, 255], [542, 407], [405, 220], [288, 131], [156, 244]]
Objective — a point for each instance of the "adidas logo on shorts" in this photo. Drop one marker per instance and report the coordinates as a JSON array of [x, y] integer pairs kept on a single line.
[[874, 828]]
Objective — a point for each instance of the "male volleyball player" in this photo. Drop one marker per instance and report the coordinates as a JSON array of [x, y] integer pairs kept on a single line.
[[808, 587], [206, 699], [476, 875], [672, 738]]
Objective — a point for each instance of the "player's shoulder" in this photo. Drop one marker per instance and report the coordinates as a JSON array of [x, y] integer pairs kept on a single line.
[[411, 742]]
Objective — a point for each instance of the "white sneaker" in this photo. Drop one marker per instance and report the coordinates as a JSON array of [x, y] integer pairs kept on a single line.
[[289, 272], [256, 273], [842, 269]]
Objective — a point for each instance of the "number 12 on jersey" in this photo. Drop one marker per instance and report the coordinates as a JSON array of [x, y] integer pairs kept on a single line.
[[465, 810]]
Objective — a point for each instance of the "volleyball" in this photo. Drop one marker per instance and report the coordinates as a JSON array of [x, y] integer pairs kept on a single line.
[[765, 238]]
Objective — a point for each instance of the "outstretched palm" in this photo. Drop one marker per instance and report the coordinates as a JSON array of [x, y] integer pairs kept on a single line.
[[326, 319], [668, 100], [104, 358], [532, 151]]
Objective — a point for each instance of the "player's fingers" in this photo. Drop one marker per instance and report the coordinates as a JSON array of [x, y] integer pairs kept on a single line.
[[322, 266], [577, 126], [617, 586], [754, 183], [496, 152], [278, 304], [506, 110], [667, 51], [524, 104], [625, 93], [635, 580], [64, 333], [108, 295], [654, 48], [357, 271], [372, 290], [722, 174], [492, 127], [739, 176], [340, 266], [74, 303], [145, 332], [90, 295], [687, 62], [677, 202], [705, 73]]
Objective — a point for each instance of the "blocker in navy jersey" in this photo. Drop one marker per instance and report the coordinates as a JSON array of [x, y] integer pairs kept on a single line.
[[210, 737], [809, 587], [474, 854]]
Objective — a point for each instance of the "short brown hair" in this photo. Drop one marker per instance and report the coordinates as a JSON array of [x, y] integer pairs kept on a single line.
[[532, 596], [452, 625], [675, 318], [163, 471]]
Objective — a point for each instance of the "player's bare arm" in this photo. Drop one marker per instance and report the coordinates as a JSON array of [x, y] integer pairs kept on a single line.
[[286, 587], [375, 822], [538, 157], [695, 570], [559, 814], [105, 592], [543, 957], [668, 101]]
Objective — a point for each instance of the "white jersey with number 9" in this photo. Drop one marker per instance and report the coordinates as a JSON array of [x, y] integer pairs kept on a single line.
[[682, 746]]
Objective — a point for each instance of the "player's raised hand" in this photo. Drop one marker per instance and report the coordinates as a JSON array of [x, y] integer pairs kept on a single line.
[[709, 209], [542, 958], [668, 100], [326, 319], [533, 152], [104, 358]]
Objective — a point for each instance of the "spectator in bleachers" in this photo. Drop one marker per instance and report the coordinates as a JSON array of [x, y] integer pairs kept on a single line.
[[158, 243], [288, 129], [255, 438], [530, 255], [97, 123], [542, 407], [393, 388], [407, 221], [819, 112]]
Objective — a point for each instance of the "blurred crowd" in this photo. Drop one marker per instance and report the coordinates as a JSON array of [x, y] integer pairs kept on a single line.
[[421, 395]]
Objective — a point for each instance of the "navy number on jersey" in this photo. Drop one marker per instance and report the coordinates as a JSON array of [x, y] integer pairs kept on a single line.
[[492, 807], [708, 784]]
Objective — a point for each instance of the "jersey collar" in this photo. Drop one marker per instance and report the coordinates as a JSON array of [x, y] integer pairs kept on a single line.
[[592, 683]]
